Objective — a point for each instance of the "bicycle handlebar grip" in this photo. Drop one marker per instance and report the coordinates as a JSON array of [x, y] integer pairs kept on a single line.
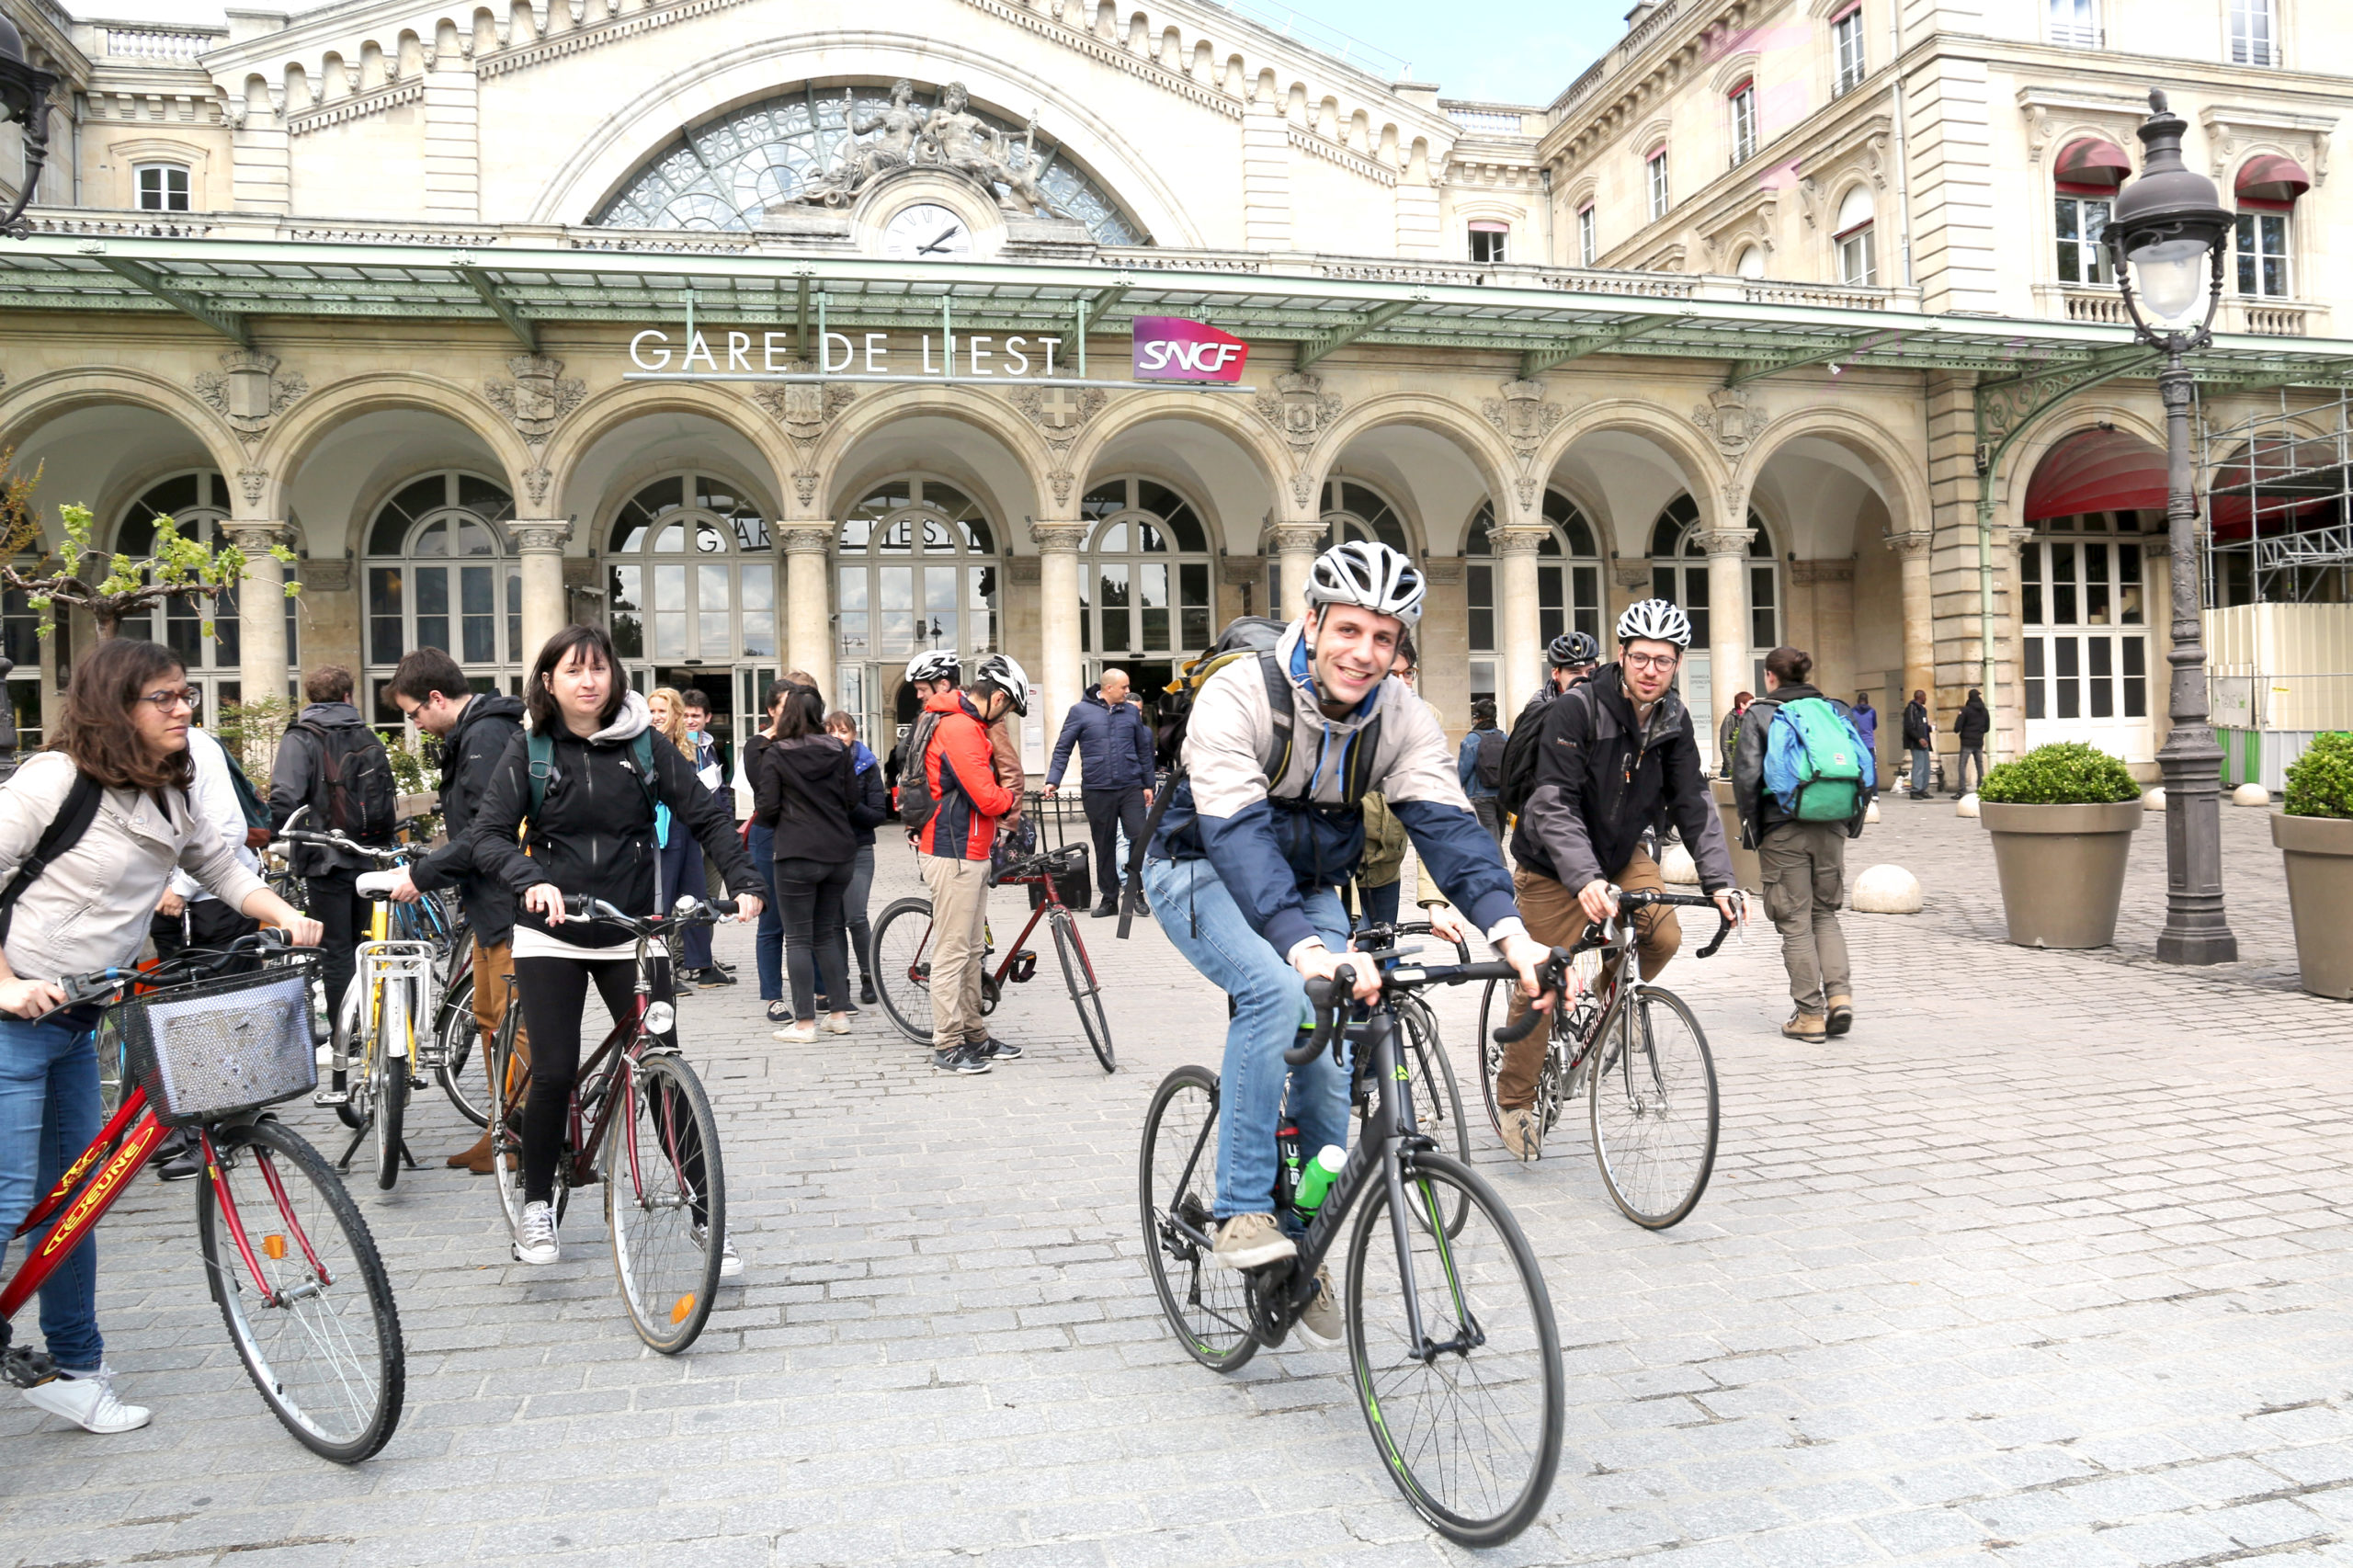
[[1551, 976], [722, 907], [1326, 996], [1723, 929], [576, 906]]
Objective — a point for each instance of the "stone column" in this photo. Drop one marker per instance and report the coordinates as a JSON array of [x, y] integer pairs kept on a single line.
[[1919, 615], [1519, 621], [809, 601], [1296, 546], [538, 546], [1063, 668], [261, 608], [1728, 655]]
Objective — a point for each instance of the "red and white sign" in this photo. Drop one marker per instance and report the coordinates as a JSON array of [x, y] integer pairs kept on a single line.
[[1175, 348]]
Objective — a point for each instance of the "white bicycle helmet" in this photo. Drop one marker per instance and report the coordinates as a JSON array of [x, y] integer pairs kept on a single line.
[[1001, 671], [1655, 619], [937, 664], [1370, 575]]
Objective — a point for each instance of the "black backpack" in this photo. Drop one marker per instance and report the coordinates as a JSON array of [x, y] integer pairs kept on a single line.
[[1488, 761], [1515, 780], [915, 800], [355, 787]]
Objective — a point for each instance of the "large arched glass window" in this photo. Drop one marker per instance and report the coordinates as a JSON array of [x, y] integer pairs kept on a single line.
[[1568, 585], [1679, 572], [1144, 585], [691, 583], [197, 504], [1350, 511], [917, 569], [440, 575]]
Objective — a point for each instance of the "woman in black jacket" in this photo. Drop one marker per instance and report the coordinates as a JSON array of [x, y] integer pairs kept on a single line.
[[593, 833], [803, 792], [871, 810]]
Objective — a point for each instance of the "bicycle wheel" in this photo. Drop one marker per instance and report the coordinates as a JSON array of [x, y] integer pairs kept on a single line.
[[665, 1201], [1471, 1430], [114, 1064], [1085, 991], [509, 1070], [390, 1059], [902, 967], [459, 1036], [303, 1291], [1653, 1109], [1438, 1099], [360, 1085], [1494, 1007], [1207, 1304]]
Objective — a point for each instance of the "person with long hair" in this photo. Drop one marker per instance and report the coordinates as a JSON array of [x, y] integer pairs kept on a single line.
[[123, 740], [682, 869], [760, 840], [805, 791], [872, 810], [592, 831]]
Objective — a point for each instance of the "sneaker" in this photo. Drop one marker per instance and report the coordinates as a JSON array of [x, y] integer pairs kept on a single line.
[[1811, 1027], [779, 1012], [1319, 1319], [731, 1265], [1110, 906], [998, 1049], [535, 1240], [866, 991], [714, 975], [1522, 1138], [1253, 1241], [1841, 1015], [88, 1400], [961, 1059], [797, 1034], [836, 1024], [178, 1158]]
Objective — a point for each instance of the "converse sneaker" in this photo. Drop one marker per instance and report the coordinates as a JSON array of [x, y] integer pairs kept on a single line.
[[535, 1240], [797, 1034], [731, 1265], [1253, 1241], [88, 1400], [1319, 1319]]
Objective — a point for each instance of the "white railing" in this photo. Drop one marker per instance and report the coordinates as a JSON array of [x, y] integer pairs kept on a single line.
[[159, 43], [1649, 26], [1838, 296], [2105, 306], [1476, 116], [2274, 318]]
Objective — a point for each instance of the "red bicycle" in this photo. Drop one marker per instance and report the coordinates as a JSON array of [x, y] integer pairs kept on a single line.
[[291, 1262]]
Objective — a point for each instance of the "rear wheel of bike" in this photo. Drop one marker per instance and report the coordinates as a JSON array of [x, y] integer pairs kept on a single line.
[[1206, 1303], [460, 1035], [1494, 1007], [358, 1083], [1653, 1094], [665, 1201], [1085, 991], [1470, 1422], [306, 1299], [394, 1046], [903, 966], [512, 1074]]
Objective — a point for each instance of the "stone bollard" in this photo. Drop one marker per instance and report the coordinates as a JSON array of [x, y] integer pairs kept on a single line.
[[1886, 890], [2250, 795], [1677, 868], [2154, 801], [1966, 806]]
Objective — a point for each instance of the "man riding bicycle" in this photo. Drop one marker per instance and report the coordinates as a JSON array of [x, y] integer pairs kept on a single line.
[[1263, 827], [1618, 757]]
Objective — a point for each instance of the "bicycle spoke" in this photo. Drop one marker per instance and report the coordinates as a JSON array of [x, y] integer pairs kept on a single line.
[[1206, 1303]]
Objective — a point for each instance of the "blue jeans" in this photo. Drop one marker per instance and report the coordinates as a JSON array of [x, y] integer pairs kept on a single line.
[[1271, 1008], [768, 944], [49, 1114], [682, 873], [1920, 773]]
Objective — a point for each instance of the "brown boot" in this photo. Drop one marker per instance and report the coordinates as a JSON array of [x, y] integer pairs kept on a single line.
[[1811, 1027], [1841, 1014], [476, 1159]]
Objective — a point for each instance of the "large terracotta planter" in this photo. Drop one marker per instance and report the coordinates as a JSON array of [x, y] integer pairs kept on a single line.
[[1745, 871], [2319, 853], [2061, 869]]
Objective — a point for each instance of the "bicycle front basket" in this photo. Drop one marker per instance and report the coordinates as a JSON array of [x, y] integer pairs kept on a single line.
[[209, 1051]]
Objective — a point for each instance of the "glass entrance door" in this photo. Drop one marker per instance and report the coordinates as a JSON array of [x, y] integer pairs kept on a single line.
[[2085, 659]]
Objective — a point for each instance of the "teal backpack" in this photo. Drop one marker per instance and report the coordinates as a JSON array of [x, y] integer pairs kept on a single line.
[[640, 750], [1815, 761]]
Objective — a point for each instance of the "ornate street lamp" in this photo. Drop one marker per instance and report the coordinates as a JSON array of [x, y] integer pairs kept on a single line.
[[24, 98], [2168, 227]]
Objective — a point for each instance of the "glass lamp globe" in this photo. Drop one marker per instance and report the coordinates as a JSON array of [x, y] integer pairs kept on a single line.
[[2170, 277]]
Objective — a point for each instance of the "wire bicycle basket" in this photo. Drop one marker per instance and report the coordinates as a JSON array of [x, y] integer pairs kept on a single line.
[[221, 1047]]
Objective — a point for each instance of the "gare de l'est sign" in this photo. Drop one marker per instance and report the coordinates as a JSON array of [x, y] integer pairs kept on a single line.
[[1164, 350]]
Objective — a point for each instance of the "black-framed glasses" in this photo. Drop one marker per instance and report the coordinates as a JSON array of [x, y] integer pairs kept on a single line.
[[1654, 661], [187, 697]]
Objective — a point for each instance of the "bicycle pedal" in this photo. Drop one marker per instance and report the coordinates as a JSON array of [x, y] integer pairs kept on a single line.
[[25, 1367]]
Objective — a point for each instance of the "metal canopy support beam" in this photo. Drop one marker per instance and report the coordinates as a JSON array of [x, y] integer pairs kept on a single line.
[[516, 322], [228, 323], [1854, 347], [1536, 362], [1105, 300], [1316, 348], [2326, 369]]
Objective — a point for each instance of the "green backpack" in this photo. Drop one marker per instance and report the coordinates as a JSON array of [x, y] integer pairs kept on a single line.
[[641, 749]]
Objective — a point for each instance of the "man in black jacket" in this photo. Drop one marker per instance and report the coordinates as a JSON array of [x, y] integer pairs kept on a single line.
[[1116, 787], [474, 730], [1920, 740], [298, 778], [1968, 727]]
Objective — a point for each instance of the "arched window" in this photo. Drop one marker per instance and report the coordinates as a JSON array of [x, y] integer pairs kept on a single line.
[[1750, 263], [1568, 577], [918, 568], [439, 577], [691, 588], [1679, 572], [1145, 586], [1350, 511], [197, 504]]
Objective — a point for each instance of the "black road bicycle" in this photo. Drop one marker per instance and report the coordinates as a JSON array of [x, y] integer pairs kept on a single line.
[[1454, 1355]]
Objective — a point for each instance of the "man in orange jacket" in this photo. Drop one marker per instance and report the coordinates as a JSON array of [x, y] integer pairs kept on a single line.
[[952, 852]]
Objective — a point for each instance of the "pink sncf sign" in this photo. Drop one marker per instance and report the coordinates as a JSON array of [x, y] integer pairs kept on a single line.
[[1172, 349]]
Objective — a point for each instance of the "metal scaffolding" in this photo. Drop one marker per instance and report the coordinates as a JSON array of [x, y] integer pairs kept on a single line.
[[2279, 509]]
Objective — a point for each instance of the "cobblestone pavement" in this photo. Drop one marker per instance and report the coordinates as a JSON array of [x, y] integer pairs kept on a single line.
[[2045, 1264]]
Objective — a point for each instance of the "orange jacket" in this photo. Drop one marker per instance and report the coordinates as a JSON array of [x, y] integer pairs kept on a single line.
[[960, 766]]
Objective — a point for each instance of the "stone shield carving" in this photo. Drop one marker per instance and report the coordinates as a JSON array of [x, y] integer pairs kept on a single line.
[[248, 393], [1299, 408], [1731, 417], [540, 396]]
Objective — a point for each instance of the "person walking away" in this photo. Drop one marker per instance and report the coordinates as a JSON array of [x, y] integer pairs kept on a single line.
[[1969, 728], [1115, 786], [960, 778], [332, 762], [1866, 722], [1728, 737], [805, 791], [474, 729], [871, 811], [1479, 766], [601, 774], [1919, 738], [1802, 783], [683, 873], [760, 842], [710, 761], [91, 830]]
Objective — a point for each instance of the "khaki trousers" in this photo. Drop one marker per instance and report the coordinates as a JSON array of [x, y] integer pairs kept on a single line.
[[1554, 917], [960, 914], [494, 988], [1805, 868]]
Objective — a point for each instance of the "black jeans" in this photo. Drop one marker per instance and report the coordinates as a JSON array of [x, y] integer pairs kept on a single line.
[[1489, 810], [816, 954], [861, 931], [343, 914], [553, 995], [1107, 810]]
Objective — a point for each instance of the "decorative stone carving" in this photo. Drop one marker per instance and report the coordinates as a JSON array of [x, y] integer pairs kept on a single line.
[[1523, 415], [805, 539], [1632, 576], [1058, 538], [805, 408], [1061, 479], [1299, 408], [539, 396], [1732, 416], [1302, 489], [1827, 569], [546, 536], [949, 139], [248, 393], [256, 539], [1909, 546], [327, 576], [253, 481], [1060, 413], [1518, 541], [1442, 570], [1726, 541], [1241, 571], [536, 480], [1023, 570]]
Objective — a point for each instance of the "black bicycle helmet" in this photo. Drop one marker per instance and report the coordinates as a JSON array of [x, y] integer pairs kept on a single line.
[[1573, 649]]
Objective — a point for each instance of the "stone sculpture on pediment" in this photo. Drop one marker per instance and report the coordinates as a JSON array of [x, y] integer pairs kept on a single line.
[[540, 396], [948, 138]]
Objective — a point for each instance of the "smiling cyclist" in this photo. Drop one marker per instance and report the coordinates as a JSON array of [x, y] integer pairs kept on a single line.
[[1280, 748]]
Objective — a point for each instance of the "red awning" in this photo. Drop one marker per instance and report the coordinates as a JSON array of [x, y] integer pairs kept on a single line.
[[2092, 162], [2271, 177], [2275, 487], [2097, 471]]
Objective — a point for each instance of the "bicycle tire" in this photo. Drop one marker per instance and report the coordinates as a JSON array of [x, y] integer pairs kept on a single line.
[[668, 1277], [114, 1064], [1493, 1261], [358, 1086], [1654, 1185], [902, 965], [1217, 1333], [1088, 997], [513, 1076], [460, 1034], [1491, 1055], [391, 1080], [345, 1322], [1438, 1099]]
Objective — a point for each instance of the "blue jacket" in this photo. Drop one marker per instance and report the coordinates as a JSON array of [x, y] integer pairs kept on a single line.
[[1466, 767], [1117, 740], [871, 805]]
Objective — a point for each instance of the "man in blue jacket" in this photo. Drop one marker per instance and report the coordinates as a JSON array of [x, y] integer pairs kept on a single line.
[[1116, 783]]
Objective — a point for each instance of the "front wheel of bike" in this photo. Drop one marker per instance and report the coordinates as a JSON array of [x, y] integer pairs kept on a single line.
[[1085, 991], [1206, 1303], [1469, 1420], [396, 1046], [460, 1034], [1653, 1109], [666, 1200], [510, 1070], [304, 1294], [902, 967]]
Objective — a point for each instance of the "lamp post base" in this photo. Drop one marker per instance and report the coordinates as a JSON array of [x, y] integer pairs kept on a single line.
[[2195, 930]]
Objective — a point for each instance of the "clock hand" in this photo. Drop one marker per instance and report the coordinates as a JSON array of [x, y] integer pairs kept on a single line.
[[937, 240]]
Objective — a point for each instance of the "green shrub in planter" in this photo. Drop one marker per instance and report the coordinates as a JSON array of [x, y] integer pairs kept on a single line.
[[2321, 782], [2062, 774]]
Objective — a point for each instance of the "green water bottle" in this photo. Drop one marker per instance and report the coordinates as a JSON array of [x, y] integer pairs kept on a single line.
[[1315, 1180]]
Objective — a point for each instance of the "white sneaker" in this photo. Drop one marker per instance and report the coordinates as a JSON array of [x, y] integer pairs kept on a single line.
[[837, 1023], [731, 1265], [535, 1240], [799, 1034], [1319, 1319], [88, 1400]]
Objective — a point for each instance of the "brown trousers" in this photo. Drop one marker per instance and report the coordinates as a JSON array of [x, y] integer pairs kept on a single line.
[[1554, 917], [494, 985]]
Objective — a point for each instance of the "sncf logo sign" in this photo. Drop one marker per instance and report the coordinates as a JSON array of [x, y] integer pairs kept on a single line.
[[1171, 349]]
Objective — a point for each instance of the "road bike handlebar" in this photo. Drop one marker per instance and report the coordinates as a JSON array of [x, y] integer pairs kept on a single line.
[[1648, 898], [1330, 998], [685, 912]]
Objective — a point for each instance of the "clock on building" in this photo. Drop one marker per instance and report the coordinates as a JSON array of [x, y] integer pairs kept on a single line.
[[927, 232]]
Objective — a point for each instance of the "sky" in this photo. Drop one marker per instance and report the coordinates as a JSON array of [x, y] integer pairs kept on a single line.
[[1515, 51]]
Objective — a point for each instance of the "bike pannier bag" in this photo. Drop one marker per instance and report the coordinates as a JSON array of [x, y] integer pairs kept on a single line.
[[210, 1051]]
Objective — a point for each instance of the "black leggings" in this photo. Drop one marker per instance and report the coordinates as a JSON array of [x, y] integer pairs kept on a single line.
[[553, 994], [809, 893]]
